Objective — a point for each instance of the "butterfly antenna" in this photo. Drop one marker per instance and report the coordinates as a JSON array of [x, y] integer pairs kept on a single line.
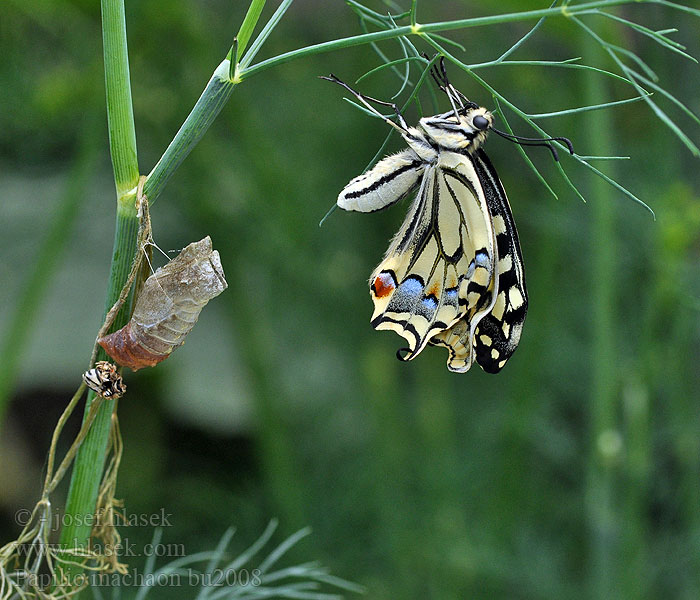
[[467, 101], [328, 214], [528, 141], [443, 71], [449, 87], [440, 78]]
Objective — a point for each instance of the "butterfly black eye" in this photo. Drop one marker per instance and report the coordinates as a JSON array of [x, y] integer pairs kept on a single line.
[[480, 122]]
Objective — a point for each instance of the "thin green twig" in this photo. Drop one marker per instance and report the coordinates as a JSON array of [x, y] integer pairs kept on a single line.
[[537, 128], [580, 109], [659, 113], [423, 29], [248, 25]]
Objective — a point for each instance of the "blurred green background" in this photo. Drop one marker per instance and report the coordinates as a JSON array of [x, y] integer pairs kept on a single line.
[[575, 473]]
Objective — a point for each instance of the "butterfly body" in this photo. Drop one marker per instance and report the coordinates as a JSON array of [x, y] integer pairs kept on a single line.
[[453, 274]]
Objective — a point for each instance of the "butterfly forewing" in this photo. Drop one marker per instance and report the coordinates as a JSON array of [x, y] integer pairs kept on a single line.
[[493, 339], [387, 182], [439, 268]]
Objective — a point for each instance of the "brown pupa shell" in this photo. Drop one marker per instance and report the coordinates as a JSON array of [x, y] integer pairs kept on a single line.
[[168, 307]]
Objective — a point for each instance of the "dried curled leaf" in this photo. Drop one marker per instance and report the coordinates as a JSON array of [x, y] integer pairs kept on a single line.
[[168, 307], [105, 380]]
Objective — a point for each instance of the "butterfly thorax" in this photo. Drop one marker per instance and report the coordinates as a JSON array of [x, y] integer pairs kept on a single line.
[[446, 132]]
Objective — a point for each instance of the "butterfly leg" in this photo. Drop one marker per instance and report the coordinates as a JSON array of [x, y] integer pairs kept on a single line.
[[365, 100]]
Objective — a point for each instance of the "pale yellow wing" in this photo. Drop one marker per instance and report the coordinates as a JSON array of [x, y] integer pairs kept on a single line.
[[492, 339], [439, 267]]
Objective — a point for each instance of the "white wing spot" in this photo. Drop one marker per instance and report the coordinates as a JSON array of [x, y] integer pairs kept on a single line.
[[515, 298], [499, 225], [505, 264], [494, 354], [485, 340], [499, 307]]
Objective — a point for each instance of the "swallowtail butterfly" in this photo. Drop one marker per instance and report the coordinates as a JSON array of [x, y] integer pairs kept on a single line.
[[453, 274], [168, 307]]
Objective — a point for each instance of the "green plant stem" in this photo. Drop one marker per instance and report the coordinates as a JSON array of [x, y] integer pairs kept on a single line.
[[249, 23], [213, 98], [87, 471], [89, 462], [120, 115], [603, 434], [420, 29]]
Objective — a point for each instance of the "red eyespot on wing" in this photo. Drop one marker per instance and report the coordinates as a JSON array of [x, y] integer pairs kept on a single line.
[[384, 284]]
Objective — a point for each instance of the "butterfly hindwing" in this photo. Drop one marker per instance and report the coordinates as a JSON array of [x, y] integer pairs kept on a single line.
[[439, 267]]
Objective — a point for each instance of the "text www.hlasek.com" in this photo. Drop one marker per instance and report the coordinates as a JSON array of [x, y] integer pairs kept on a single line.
[[124, 549]]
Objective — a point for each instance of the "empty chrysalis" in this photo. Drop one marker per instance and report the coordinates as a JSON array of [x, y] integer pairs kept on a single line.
[[168, 307]]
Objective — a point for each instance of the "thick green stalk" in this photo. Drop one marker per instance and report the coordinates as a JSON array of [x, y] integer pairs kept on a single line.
[[604, 437], [89, 462], [87, 470], [120, 114]]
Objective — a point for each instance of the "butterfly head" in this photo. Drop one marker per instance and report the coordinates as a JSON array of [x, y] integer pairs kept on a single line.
[[462, 130]]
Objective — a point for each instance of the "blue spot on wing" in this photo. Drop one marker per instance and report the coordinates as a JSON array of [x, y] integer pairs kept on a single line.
[[430, 302], [481, 259], [407, 295], [470, 271], [411, 286], [427, 307]]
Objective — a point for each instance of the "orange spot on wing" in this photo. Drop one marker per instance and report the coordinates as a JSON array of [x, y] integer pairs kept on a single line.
[[434, 290], [383, 285]]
